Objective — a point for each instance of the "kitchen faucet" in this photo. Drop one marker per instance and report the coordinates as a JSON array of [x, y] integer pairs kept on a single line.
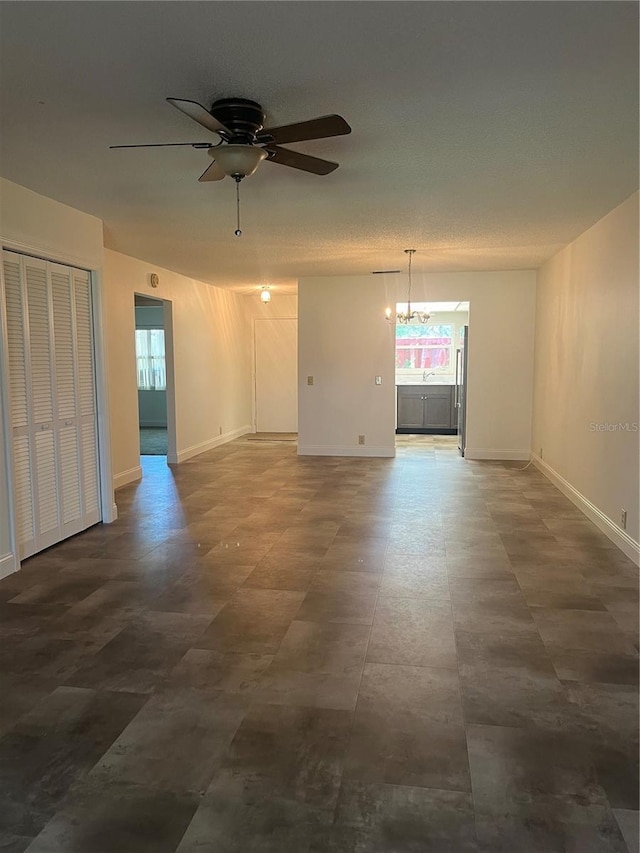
[[426, 375]]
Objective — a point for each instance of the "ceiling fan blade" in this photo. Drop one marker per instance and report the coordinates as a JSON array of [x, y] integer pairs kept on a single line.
[[315, 128], [212, 173], [299, 161], [198, 113], [165, 145]]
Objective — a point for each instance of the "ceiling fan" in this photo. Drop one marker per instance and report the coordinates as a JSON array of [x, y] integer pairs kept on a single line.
[[245, 142]]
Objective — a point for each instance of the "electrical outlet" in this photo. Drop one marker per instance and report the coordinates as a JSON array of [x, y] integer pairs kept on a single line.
[[360, 439], [623, 519], [378, 380], [309, 380], [540, 454]]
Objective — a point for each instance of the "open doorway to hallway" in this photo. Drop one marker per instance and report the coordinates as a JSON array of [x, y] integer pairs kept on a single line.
[[154, 371]]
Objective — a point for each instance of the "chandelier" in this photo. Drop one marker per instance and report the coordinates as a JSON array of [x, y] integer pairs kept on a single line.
[[408, 316]]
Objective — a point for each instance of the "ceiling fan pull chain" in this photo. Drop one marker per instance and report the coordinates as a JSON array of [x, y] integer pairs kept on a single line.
[[238, 231]]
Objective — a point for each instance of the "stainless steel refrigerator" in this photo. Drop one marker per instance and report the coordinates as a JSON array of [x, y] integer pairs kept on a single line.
[[462, 357]]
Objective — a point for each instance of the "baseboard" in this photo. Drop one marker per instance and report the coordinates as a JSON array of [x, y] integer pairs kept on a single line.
[[197, 449], [610, 529], [8, 565], [345, 450], [125, 477], [497, 455], [110, 515]]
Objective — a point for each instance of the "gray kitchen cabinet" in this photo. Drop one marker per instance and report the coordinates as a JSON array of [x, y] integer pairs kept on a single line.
[[426, 408], [410, 408]]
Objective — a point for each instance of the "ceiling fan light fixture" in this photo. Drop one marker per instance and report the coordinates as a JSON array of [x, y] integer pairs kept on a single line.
[[238, 160]]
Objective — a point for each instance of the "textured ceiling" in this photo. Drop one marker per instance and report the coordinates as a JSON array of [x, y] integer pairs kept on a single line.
[[485, 134]]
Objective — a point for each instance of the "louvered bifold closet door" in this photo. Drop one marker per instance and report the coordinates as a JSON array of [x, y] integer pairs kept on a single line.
[[67, 425], [52, 393], [19, 393], [85, 364]]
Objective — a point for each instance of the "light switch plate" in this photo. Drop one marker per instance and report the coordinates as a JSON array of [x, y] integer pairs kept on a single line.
[[309, 380], [378, 380]]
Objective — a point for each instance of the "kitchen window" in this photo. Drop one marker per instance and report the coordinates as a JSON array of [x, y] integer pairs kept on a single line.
[[424, 347]]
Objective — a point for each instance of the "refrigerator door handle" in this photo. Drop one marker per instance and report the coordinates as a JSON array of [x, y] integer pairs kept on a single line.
[[457, 397]]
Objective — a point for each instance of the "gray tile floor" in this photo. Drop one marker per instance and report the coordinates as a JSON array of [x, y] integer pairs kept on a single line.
[[323, 655]]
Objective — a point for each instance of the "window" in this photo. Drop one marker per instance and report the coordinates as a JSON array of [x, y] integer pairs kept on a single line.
[[424, 347], [152, 373]]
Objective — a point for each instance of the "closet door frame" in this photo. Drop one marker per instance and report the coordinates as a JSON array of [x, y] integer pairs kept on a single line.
[[108, 509]]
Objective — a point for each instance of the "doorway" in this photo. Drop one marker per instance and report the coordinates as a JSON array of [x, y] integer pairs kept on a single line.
[[276, 375], [430, 384], [154, 373]]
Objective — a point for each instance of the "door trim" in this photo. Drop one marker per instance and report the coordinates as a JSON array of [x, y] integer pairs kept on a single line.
[[9, 562]]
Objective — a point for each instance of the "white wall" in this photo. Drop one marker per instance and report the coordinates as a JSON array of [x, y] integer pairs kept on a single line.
[[34, 224], [345, 341], [211, 360], [587, 367]]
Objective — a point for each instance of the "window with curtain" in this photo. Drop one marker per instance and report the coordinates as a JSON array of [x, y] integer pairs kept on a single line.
[[152, 371]]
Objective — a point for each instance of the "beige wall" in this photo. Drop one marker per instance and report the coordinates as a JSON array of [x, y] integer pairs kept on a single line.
[[211, 360], [345, 341], [587, 365], [32, 222], [281, 305]]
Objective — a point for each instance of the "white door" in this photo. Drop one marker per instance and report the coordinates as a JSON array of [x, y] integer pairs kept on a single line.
[[276, 349], [52, 395]]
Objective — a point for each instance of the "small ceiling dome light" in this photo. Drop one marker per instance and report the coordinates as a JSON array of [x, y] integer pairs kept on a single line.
[[237, 161], [265, 295]]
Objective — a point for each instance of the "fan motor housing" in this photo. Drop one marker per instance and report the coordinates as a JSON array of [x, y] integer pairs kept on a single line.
[[242, 117]]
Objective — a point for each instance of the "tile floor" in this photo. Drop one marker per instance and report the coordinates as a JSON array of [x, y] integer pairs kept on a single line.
[[322, 655]]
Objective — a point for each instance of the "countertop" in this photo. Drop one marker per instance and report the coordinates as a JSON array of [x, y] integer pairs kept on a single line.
[[443, 381]]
